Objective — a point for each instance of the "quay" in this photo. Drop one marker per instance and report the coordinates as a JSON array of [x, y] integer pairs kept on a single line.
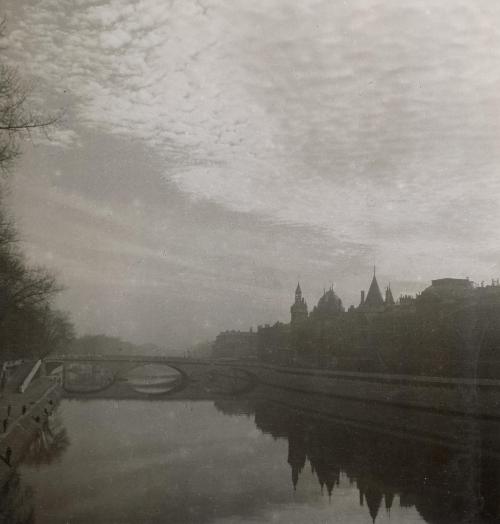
[[472, 398], [22, 414]]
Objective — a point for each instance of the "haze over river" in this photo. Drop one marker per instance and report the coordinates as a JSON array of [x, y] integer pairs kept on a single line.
[[253, 460]]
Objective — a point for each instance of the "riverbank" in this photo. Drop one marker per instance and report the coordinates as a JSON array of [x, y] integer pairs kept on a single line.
[[22, 416], [476, 398]]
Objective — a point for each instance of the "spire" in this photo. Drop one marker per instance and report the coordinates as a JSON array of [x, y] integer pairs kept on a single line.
[[389, 299], [374, 296], [373, 499], [298, 310]]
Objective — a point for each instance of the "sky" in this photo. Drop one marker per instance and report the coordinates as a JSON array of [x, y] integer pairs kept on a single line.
[[211, 153]]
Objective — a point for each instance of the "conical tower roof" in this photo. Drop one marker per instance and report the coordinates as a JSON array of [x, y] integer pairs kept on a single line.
[[374, 297], [389, 299], [373, 499]]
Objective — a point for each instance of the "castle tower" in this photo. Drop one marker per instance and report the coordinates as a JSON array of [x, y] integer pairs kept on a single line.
[[298, 293], [389, 299], [298, 311], [374, 296]]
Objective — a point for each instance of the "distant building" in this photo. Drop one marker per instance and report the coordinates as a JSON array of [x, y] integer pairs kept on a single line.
[[449, 293], [273, 343], [451, 328], [235, 344], [406, 300], [449, 289], [452, 283], [298, 310]]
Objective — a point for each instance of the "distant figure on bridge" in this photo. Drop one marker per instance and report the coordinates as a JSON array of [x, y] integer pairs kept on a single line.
[[5, 424], [9, 409], [24, 409]]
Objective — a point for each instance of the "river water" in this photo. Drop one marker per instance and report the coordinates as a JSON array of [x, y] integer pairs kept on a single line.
[[243, 461]]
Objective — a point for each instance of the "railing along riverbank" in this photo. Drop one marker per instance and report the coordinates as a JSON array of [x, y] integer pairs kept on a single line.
[[22, 416]]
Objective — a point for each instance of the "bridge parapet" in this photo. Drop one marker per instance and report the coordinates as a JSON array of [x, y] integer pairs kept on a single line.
[[198, 378], [126, 358]]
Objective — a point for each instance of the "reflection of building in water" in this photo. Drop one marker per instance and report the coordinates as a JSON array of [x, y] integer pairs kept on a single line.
[[296, 454], [232, 408], [446, 485]]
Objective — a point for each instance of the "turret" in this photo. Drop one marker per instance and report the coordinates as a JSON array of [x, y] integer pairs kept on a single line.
[[374, 296], [298, 293], [298, 310], [389, 299]]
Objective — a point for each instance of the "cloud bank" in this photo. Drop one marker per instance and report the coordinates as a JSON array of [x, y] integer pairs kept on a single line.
[[374, 125]]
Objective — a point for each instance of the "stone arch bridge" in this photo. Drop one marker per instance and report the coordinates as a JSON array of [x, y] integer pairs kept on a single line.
[[115, 376]]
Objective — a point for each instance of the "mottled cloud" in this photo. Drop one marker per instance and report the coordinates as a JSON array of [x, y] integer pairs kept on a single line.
[[374, 125], [338, 115]]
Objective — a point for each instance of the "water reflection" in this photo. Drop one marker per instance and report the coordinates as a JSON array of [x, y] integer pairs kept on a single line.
[[17, 504], [247, 460], [49, 445], [445, 484], [17, 500], [86, 377], [153, 379]]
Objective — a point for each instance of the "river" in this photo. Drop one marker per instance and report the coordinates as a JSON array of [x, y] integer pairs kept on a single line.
[[244, 461]]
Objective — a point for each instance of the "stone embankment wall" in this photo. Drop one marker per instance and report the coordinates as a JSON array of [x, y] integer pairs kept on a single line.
[[476, 398], [21, 419]]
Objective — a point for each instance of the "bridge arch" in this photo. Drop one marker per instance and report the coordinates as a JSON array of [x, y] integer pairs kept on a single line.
[[198, 379], [181, 382]]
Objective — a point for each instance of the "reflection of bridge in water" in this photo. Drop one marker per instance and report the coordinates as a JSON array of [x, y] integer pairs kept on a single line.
[[139, 377], [347, 398]]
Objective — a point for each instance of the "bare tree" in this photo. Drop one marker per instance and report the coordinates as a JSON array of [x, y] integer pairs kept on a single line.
[[28, 324], [17, 119]]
